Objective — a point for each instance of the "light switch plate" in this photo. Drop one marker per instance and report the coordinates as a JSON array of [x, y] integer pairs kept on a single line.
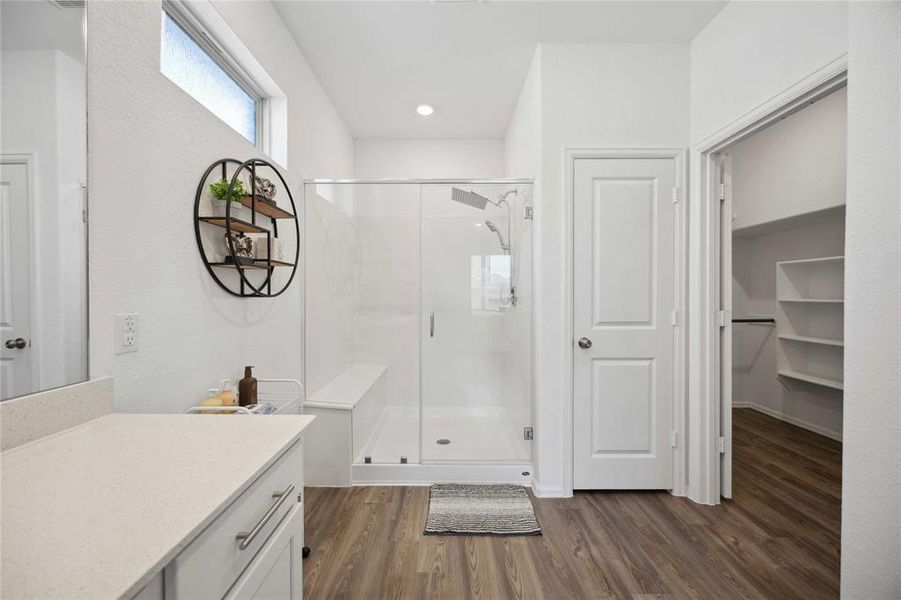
[[126, 333]]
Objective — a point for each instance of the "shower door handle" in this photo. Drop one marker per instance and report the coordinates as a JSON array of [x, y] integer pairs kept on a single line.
[[431, 324]]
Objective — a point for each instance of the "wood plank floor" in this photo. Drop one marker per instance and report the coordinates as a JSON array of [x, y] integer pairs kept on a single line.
[[778, 537]]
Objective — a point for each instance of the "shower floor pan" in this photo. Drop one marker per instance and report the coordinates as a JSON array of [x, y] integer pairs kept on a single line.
[[483, 446]]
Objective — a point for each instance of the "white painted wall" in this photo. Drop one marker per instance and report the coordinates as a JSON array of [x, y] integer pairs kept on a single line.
[[143, 255], [751, 51], [522, 143], [581, 96], [43, 107], [754, 380], [428, 159], [871, 477], [794, 167]]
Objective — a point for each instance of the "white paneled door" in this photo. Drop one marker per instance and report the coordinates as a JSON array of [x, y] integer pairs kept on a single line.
[[15, 281], [624, 297]]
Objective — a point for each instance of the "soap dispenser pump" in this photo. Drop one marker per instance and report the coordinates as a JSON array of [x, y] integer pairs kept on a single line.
[[247, 388]]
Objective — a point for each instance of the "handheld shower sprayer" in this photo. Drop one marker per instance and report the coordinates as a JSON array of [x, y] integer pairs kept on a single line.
[[500, 236]]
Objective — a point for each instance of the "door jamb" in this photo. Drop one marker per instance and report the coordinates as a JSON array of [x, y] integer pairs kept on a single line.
[[705, 401], [680, 341]]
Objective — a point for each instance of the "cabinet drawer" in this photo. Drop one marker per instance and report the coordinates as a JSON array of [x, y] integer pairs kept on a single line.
[[209, 566]]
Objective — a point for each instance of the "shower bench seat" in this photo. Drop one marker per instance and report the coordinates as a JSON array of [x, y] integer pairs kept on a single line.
[[346, 409]]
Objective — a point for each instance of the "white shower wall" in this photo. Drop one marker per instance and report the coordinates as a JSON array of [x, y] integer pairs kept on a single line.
[[363, 306]]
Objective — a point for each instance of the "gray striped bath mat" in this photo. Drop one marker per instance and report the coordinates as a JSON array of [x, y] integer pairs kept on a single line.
[[458, 509]]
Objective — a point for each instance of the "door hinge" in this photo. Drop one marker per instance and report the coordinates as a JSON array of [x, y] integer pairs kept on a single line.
[[722, 192], [527, 213], [721, 445], [674, 317], [673, 439], [675, 194], [722, 317], [84, 202], [528, 434]]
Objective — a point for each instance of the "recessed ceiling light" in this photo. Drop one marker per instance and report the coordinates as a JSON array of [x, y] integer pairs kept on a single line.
[[425, 109]]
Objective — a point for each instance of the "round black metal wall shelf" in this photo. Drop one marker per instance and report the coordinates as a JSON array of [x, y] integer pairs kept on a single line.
[[246, 284]]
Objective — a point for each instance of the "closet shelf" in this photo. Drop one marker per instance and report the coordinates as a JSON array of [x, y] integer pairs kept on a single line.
[[824, 381], [807, 339], [814, 300], [810, 261]]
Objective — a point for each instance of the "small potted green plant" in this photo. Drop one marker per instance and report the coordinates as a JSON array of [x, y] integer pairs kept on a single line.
[[220, 195]]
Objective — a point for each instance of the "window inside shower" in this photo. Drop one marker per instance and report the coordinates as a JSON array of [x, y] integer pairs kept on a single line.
[[432, 282]]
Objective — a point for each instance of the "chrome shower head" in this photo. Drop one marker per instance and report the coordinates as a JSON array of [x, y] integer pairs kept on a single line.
[[469, 198]]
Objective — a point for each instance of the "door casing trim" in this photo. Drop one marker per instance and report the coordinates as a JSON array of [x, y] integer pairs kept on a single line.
[[680, 158]]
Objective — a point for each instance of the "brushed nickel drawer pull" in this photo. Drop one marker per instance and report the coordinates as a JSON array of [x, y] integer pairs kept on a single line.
[[247, 538]]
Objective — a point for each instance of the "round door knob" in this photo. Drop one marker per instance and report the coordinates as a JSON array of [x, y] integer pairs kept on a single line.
[[584, 343], [19, 343]]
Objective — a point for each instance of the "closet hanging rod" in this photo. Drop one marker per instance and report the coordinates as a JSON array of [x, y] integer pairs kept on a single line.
[[755, 320]]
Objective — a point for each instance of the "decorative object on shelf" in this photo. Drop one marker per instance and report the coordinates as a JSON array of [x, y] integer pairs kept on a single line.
[[243, 246], [221, 195], [272, 270], [264, 189]]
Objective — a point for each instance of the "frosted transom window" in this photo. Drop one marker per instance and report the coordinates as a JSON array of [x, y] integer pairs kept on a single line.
[[192, 69]]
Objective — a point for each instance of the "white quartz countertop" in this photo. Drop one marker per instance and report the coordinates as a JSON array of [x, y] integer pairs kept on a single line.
[[97, 510]]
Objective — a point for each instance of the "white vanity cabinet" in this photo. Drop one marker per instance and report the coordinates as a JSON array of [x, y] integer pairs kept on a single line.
[[252, 549]]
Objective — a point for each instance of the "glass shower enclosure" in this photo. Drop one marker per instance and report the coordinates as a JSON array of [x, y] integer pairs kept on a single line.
[[427, 285]]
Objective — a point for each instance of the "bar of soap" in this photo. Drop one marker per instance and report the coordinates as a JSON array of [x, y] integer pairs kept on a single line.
[[228, 398], [217, 401]]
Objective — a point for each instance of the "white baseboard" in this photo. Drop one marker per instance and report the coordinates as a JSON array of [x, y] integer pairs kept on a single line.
[[547, 491], [790, 419]]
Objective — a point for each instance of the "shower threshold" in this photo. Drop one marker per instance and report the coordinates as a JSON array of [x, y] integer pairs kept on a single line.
[[425, 474]]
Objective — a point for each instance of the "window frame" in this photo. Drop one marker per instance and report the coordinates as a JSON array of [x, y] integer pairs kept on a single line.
[[180, 12]]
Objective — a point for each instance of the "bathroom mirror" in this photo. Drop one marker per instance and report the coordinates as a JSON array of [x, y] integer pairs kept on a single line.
[[43, 196]]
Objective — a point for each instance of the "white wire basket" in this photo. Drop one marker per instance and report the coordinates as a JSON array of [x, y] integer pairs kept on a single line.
[[286, 395]]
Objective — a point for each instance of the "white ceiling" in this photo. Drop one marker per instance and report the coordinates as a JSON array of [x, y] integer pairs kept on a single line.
[[378, 60]]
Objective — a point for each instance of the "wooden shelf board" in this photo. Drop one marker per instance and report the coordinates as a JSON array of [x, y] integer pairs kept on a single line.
[[257, 264], [267, 209], [814, 300], [236, 224], [808, 339], [275, 263], [824, 381]]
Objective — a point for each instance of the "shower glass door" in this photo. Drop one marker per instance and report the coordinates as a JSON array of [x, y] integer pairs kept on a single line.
[[475, 248]]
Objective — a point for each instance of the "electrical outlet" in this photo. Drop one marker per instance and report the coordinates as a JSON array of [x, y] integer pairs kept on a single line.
[[126, 333]]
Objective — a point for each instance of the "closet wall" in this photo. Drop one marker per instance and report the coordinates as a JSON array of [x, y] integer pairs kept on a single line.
[[788, 190]]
